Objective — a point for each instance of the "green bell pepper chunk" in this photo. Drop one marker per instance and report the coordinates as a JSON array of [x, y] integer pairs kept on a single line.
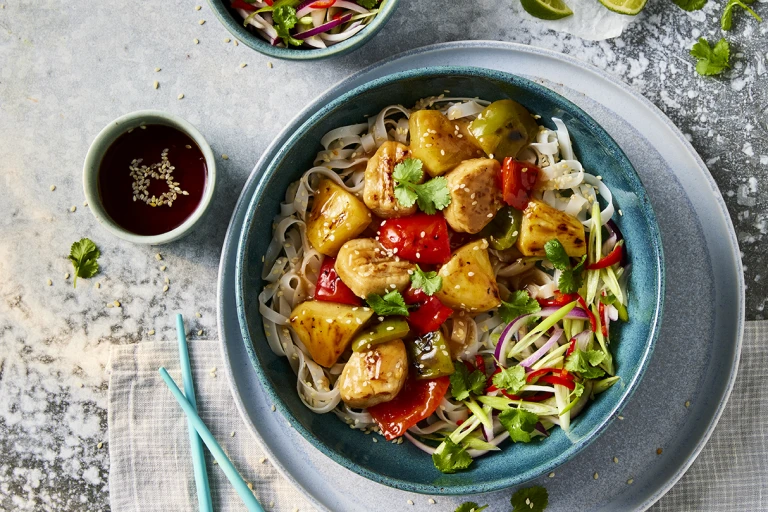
[[504, 128], [430, 356], [390, 329], [503, 230]]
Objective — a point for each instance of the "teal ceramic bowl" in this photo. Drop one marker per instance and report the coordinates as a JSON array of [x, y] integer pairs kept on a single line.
[[405, 466], [234, 24]]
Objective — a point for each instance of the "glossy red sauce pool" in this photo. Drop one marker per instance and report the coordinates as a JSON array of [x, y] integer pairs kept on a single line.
[[134, 179]]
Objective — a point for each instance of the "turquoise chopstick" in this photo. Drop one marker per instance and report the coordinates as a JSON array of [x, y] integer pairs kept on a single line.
[[251, 503], [195, 444]]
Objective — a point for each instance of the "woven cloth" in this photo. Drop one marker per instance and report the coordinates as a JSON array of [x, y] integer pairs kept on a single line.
[[151, 467]]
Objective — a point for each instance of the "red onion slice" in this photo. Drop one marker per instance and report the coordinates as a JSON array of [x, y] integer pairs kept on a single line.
[[528, 362], [325, 27]]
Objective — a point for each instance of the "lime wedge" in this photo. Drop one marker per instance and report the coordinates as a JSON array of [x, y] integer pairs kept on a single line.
[[628, 7], [547, 9]]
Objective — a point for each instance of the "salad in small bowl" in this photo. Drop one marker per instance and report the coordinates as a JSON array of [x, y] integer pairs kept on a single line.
[[303, 29]]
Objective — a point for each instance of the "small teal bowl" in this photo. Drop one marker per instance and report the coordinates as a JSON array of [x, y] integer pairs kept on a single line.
[[405, 466], [233, 22]]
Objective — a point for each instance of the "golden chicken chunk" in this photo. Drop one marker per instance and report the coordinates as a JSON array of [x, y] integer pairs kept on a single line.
[[469, 282], [326, 328], [367, 267], [475, 194], [541, 223], [337, 216], [375, 375], [379, 191], [441, 144]]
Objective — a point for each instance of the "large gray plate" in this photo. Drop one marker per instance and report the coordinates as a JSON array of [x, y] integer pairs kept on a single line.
[[697, 353]]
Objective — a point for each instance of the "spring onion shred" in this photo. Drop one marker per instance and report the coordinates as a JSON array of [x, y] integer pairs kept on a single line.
[[291, 267]]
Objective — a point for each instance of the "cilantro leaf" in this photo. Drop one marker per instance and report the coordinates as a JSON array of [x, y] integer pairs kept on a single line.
[[390, 304], [429, 282], [578, 390], [557, 255], [470, 506], [571, 279], [510, 380], [726, 20], [585, 363], [368, 4], [284, 18], [83, 255], [430, 196], [690, 5], [711, 61], [530, 499], [520, 303], [463, 383], [450, 457], [519, 423]]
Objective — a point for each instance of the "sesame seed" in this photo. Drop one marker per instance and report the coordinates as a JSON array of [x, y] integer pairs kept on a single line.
[[269, 64], [50, 283], [237, 44], [470, 274], [232, 434], [53, 187], [375, 440], [442, 152], [263, 460], [687, 403], [66, 275], [225, 156], [551, 475], [201, 22], [99, 445], [85, 203], [156, 84], [620, 417], [227, 40], [116, 303], [198, 315], [151, 332], [431, 501], [615, 460], [418, 255], [157, 70], [73, 209], [163, 267], [250, 485], [630, 481], [273, 408], [410, 502], [158, 256], [180, 96], [595, 476], [97, 285], [196, 41], [490, 215]]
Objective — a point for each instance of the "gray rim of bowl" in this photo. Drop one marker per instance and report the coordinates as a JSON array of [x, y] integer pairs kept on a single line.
[[93, 162], [630, 174], [255, 42]]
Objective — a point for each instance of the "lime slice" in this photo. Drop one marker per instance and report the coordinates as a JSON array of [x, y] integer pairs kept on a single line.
[[628, 7], [547, 9]]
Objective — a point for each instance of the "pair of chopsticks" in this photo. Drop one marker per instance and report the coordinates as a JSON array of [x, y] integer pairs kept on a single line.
[[198, 431]]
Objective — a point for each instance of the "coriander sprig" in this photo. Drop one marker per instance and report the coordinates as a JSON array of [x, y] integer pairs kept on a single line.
[[83, 255], [430, 196]]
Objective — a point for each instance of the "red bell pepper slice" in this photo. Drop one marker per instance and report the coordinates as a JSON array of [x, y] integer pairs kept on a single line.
[[517, 181], [534, 375], [538, 397], [242, 4], [330, 287], [416, 401], [592, 319], [322, 4], [429, 316], [571, 347], [559, 299], [420, 238], [554, 379], [601, 312], [480, 363], [612, 258], [415, 296]]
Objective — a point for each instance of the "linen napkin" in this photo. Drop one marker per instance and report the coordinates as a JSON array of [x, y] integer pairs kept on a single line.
[[151, 465], [150, 460]]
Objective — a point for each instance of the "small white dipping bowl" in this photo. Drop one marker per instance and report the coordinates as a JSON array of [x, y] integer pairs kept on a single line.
[[107, 137]]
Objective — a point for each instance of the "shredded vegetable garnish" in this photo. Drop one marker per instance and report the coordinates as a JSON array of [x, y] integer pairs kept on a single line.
[[484, 377], [309, 23]]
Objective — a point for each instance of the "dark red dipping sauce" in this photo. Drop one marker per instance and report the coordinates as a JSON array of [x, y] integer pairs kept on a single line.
[[137, 166]]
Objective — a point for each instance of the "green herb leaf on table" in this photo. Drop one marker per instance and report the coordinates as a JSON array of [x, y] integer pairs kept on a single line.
[[690, 5], [429, 282], [390, 304], [430, 196], [83, 255], [463, 383], [519, 303], [470, 506], [519, 423], [510, 380], [450, 457], [726, 20], [530, 499], [585, 363], [711, 61]]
